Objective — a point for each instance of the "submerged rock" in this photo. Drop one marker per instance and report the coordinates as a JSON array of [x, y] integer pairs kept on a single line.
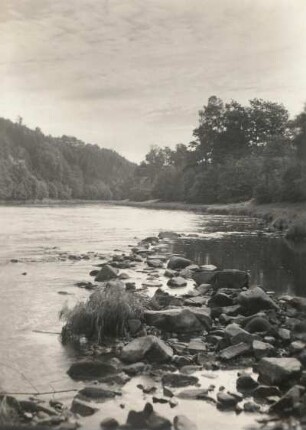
[[177, 282], [176, 263], [89, 369], [106, 273], [98, 393], [150, 348], [278, 371], [179, 380], [230, 278]]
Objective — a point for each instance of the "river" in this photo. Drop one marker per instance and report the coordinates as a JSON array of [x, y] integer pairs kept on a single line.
[[36, 242]]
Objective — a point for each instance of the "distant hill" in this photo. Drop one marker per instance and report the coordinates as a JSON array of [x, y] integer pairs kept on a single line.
[[36, 166]]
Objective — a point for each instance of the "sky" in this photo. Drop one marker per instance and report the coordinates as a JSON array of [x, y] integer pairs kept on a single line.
[[128, 74]]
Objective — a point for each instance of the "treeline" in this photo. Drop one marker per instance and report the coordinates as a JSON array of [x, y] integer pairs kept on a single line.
[[35, 166], [238, 153]]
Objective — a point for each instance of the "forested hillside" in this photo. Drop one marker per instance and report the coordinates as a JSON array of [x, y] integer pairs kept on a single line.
[[238, 153], [35, 166]]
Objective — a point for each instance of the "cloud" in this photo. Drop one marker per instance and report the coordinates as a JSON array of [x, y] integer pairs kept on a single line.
[[131, 73]]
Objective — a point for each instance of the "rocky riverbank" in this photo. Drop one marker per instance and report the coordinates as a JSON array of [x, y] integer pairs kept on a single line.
[[182, 326]]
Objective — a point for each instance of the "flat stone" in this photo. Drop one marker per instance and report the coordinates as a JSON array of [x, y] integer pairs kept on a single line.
[[179, 380], [82, 408], [262, 349], [193, 394], [150, 348], [234, 351], [179, 320], [196, 346], [277, 371], [98, 393]]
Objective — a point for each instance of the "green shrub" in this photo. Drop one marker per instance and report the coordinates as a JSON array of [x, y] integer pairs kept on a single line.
[[105, 314]]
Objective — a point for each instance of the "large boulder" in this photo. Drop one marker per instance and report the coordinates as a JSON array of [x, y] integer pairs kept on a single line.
[[205, 274], [230, 278], [278, 371], [255, 300], [177, 262], [91, 369], [186, 320], [181, 422], [150, 348], [147, 419], [106, 273]]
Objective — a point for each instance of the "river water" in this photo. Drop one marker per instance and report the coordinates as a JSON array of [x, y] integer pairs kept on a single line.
[[39, 237]]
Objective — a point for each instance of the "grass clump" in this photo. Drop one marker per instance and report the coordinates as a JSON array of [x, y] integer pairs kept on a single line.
[[8, 410], [106, 314]]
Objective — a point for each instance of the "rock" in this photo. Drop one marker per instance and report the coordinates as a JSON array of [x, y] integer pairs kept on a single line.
[[234, 351], [147, 419], [167, 392], [118, 379], [245, 382], [230, 278], [232, 330], [88, 369], [196, 345], [255, 300], [106, 273], [278, 371], [258, 325], [152, 283], [162, 299], [134, 325], [284, 334], [226, 401], [82, 408], [170, 273], [265, 391], [181, 422], [179, 380], [189, 369], [251, 407], [262, 349], [193, 394], [168, 235], [203, 289], [136, 368], [155, 263], [94, 272], [195, 301], [289, 401], [187, 320], [177, 282], [177, 263], [150, 348], [220, 300], [97, 393], [109, 423], [297, 346], [205, 275]]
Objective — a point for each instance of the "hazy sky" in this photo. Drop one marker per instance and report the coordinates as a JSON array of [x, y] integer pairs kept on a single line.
[[127, 74]]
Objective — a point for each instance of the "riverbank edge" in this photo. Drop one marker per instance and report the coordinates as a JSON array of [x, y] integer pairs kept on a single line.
[[280, 216]]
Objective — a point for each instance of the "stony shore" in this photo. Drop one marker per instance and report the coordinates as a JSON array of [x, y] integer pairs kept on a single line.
[[193, 320]]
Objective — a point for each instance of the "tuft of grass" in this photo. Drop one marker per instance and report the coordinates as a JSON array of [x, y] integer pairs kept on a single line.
[[105, 314], [8, 410]]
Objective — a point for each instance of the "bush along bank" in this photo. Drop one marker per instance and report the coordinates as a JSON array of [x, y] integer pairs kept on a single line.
[[179, 321]]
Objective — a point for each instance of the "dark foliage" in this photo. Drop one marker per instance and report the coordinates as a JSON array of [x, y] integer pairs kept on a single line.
[[35, 166]]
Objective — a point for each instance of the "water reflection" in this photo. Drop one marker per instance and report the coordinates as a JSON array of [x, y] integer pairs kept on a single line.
[[271, 261]]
